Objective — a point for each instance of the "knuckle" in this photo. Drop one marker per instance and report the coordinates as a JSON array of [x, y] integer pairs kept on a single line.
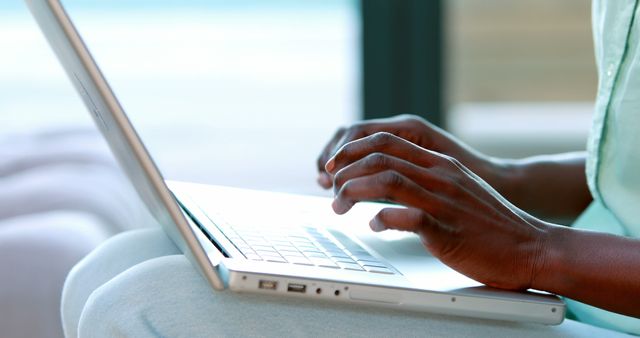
[[455, 162], [391, 179], [346, 150], [413, 119], [320, 162], [339, 179], [345, 190], [383, 214], [377, 160], [410, 117], [423, 219], [354, 130], [452, 187], [381, 139], [446, 160]]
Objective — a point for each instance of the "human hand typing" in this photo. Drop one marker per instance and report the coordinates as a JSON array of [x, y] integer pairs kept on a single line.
[[417, 131], [459, 217]]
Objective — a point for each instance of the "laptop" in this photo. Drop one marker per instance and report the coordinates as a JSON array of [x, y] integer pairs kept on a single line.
[[282, 244]]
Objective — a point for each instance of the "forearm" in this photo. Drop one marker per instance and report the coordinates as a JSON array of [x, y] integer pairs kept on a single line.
[[551, 187], [595, 268]]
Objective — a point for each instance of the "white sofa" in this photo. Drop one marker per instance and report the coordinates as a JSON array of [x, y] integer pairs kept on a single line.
[[61, 195]]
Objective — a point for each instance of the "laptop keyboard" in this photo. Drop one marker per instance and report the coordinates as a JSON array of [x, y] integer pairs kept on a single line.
[[303, 246]]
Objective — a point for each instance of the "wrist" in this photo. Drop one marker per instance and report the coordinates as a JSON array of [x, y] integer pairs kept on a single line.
[[550, 266], [503, 175]]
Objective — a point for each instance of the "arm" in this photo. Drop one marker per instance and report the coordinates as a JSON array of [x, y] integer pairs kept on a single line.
[[595, 268], [470, 227], [552, 186], [547, 186]]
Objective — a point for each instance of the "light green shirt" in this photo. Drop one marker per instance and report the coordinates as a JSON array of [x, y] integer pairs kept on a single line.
[[613, 163]]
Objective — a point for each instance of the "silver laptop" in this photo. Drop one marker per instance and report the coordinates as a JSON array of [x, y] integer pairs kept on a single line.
[[281, 244]]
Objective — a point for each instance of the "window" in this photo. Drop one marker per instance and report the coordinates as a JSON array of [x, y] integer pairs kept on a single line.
[[528, 65], [242, 92]]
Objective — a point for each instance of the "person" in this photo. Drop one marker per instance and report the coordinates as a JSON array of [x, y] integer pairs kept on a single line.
[[482, 216]]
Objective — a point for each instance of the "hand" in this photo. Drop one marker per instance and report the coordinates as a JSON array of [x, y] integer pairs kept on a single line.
[[417, 131], [459, 217]]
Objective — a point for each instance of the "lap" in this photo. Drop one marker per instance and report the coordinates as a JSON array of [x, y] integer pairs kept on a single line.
[[165, 296], [112, 258]]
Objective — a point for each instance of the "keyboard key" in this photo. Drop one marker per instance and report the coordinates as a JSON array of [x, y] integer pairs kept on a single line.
[[339, 255], [316, 250], [315, 254], [291, 254], [298, 238], [313, 231], [285, 248], [344, 260], [309, 249], [335, 252], [267, 253], [361, 254], [331, 247], [377, 269], [345, 241], [263, 248], [365, 258], [323, 241], [329, 266], [253, 257], [275, 259], [372, 262], [241, 245], [255, 243], [350, 266], [247, 251], [323, 262], [278, 242], [298, 260], [250, 235], [301, 245], [234, 238]]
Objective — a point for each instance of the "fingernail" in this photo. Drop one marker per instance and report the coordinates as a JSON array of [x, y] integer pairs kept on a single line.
[[340, 208], [376, 226], [335, 206], [331, 164]]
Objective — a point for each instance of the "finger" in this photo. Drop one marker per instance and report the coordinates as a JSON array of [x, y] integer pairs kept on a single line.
[[323, 179], [355, 132], [378, 162], [431, 231], [403, 219], [384, 143], [385, 186]]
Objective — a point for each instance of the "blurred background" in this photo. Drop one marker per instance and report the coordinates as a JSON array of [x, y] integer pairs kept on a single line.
[[246, 92]]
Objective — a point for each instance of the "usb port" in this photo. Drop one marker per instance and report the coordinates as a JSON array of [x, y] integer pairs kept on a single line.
[[267, 284], [300, 288]]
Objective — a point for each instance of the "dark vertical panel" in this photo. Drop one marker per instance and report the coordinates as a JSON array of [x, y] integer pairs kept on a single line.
[[402, 47]]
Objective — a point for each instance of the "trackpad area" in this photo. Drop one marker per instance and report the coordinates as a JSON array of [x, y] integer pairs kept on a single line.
[[405, 252], [394, 245], [402, 243]]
